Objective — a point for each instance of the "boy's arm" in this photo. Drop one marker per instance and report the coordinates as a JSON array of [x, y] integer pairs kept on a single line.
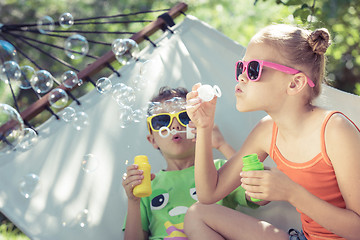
[[219, 143], [133, 229]]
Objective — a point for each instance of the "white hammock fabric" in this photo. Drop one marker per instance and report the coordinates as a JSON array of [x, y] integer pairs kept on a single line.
[[194, 53]]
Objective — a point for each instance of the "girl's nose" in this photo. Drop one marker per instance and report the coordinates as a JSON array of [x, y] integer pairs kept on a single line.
[[243, 77]]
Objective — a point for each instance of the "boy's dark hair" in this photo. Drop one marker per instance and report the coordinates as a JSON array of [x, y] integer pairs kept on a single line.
[[166, 93]]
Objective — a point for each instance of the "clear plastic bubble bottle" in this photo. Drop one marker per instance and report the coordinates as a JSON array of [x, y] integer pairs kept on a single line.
[[252, 163], [143, 189]]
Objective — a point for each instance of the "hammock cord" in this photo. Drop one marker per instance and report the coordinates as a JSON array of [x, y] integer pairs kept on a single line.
[[26, 36]]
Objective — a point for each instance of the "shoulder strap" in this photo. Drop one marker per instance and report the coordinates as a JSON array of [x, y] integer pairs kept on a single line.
[[273, 140]]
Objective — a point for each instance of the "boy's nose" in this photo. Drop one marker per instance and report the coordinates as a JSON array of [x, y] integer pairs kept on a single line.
[[175, 124]]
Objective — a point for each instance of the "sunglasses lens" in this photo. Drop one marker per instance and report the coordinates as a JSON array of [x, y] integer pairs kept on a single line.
[[184, 118], [253, 70], [160, 121], [239, 70]]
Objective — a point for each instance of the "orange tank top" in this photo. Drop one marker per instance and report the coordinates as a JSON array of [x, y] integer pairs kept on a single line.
[[317, 176]]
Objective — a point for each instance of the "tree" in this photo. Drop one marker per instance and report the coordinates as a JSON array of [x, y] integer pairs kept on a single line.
[[341, 18]]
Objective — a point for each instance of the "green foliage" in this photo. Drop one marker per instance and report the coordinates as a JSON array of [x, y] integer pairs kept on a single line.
[[9, 232], [341, 18]]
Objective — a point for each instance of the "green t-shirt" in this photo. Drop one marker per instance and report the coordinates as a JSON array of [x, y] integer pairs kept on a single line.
[[173, 192]]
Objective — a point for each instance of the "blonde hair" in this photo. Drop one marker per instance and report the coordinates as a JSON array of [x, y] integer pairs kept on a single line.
[[301, 49]]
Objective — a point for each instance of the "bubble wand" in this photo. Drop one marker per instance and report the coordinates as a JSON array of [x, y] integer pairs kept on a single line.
[[165, 132]]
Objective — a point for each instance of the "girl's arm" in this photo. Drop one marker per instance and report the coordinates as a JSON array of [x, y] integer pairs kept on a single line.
[[213, 185], [342, 141], [343, 148], [202, 115]]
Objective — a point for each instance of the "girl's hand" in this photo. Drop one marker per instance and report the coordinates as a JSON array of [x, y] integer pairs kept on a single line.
[[132, 178], [201, 113], [270, 185]]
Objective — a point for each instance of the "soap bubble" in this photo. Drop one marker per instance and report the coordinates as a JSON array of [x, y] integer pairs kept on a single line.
[[42, 81], [103, 85], [89, 163], [68, 114], [119, 46], [29, 185], [66, 20], [10, 71], [30, 138], [125, 116], [69, 79], [123, 94], [138, 83], [27, 74], [58, 98], [76, 46], [11, 128], [80, 121], [7, 52], [154, 107], [45, 24], [138, 115], [175, 104], [125, 49], [83, 218], [80, 82]]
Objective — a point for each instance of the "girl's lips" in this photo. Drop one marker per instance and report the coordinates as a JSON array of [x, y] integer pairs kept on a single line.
[[238, 90]]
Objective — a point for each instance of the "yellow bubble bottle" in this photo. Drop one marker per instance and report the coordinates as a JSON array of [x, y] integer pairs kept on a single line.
[[143, 189]]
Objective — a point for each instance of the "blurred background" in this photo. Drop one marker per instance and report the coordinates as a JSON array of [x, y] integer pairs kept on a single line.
[[239, 20]]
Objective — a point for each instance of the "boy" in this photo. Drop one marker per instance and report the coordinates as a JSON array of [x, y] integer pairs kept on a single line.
[[161, 215]]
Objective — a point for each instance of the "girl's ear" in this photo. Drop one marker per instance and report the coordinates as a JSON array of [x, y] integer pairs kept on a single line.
[[297, 84], [152, 140]]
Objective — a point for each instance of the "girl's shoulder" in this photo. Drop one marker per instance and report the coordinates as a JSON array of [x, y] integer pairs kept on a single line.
[[262, 133], [264, 127], [266, 123], [339, 125]]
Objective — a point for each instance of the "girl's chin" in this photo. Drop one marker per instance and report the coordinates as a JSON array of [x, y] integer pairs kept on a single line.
[[243, 108]]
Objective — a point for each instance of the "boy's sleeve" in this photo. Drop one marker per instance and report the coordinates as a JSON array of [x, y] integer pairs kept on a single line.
[[144, 215], [236, 197]]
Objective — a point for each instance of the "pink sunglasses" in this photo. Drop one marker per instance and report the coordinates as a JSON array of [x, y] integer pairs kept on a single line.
[[254, 69]]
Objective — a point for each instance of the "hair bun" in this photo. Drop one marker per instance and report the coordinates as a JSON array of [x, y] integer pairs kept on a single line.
[[319, 40]]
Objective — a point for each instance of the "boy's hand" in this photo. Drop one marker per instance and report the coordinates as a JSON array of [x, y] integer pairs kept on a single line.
[[132, 178]]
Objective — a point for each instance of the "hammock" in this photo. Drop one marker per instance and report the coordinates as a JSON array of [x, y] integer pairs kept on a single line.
[[78, 201]]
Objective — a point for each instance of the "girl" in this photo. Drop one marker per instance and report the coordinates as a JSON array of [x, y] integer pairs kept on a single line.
[[317, 151]]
